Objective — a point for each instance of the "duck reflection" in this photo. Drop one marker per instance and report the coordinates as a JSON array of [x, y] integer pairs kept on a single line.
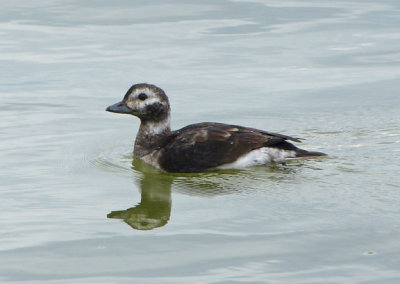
[[154, 209]]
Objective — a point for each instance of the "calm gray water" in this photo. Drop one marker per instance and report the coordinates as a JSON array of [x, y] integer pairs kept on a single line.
[[76, 209]]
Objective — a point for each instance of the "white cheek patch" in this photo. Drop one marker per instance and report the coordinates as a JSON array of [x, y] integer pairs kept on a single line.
[[135, 103], [146, 102], [147, 91], [141, 105]]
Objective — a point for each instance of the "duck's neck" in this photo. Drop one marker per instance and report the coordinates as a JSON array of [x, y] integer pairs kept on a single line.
[[152, 135]]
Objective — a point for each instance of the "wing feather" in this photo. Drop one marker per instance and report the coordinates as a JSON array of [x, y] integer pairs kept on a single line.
[[201, 146]]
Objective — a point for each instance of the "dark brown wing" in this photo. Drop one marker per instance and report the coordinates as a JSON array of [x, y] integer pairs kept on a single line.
[[201, 146], [242, 128]]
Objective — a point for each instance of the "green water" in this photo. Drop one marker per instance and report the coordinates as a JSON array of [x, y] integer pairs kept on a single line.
[[76, 207]]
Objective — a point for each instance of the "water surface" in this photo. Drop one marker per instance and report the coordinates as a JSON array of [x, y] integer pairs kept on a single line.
[[77, 208]]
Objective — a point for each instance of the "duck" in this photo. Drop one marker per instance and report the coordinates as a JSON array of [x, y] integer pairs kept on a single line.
[[201, 146]]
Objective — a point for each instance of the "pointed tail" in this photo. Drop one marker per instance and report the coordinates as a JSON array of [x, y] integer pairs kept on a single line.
[[308, 154]]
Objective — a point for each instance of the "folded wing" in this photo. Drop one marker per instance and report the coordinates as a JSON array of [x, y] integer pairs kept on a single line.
[[201, 146]]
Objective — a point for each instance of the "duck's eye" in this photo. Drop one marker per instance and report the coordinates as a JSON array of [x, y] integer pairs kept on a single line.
[[142, 96]]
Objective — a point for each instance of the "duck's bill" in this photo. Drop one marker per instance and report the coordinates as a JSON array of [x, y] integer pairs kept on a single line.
[[120, 107]]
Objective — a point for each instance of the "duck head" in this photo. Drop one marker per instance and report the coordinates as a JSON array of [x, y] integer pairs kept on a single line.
[[146, 101]]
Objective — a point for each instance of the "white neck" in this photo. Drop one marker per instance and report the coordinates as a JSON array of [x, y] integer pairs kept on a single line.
[[151, 136], [155, 128]]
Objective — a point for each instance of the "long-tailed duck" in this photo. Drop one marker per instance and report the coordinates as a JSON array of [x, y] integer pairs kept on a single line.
[[201, 146]]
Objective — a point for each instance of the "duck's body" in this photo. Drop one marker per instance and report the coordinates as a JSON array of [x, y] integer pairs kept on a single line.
[[201, 146]]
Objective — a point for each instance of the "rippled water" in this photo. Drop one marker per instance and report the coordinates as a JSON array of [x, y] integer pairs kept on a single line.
[[77, 209]]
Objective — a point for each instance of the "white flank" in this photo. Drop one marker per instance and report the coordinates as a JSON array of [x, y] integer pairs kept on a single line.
[[260, 157]]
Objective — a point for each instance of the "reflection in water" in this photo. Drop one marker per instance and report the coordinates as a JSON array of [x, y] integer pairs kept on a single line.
[[154, 209], [234, 181]]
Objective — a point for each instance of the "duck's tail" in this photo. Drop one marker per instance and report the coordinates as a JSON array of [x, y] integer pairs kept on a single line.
[[300, 153]]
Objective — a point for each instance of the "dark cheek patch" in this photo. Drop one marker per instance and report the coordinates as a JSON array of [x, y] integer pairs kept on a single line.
[[153, 108], [155, 111]]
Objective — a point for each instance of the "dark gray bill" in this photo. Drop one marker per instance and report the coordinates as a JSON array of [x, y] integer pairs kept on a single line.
[[120, 107]]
